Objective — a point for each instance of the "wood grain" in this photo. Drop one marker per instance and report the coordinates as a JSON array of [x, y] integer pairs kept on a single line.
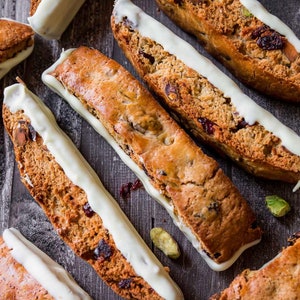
[[91, 27]]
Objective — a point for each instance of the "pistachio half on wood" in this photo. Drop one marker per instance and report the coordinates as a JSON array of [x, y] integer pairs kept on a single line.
[[165, 242]]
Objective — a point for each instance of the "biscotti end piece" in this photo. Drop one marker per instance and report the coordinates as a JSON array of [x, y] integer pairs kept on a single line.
[[173, 169], [256, 53], [84, 214], [204, 100], [50, 18], [15, 281], [278, 279], [16, 44]]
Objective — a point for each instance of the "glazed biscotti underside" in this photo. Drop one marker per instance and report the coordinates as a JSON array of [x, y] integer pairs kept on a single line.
[[257, 54], [279, 279], [202, 108], [68, 190], [200, 197]]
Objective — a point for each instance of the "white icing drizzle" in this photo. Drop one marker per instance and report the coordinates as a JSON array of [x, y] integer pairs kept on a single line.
[[18, 97], [52, 17], [259, 11], [50, 275], [57, 87], [252, 112], [297, 187], [8, 64]]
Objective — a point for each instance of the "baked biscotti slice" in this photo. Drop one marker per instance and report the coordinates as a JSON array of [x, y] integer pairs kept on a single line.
[[207, 102], [81, 210], [50, 18], [278, 280], [203, 202], [16, 44], [28, 273], [256, 46]]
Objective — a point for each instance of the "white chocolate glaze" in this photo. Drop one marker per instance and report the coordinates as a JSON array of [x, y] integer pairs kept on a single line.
[[7, 65], [246, 107], [50, 275], [52, 17], [259, 11], [57, 87], [297, 187], [18, 97]]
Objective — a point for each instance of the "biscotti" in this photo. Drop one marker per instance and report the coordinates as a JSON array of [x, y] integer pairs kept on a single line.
[[202, 201], [51, 18], [256, 46], [278, 280], [81, 210], [207, 102], [16, 44], [28, 273]]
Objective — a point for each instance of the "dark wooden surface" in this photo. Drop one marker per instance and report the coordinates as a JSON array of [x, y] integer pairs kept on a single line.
[[91, 27]]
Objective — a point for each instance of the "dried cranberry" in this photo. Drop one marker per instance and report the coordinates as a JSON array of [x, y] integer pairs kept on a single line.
[[88, 210], [207, 125], [148, 56], [171, 91], [103, 250], [271, 42], [125, 190], [259, 31], [267, 38], [125, 283], [136, 185]]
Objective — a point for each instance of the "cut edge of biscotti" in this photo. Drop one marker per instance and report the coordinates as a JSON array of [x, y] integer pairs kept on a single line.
[[16, 44], [44, 273], [128, 15], [33, 120], [282, 272], [50, 19], [256, 46], [78, 105]]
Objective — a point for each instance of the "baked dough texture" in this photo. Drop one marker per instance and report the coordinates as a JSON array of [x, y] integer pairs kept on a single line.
[[65, 204], [15, 281], [203, 109], [14, 37], [231, 34], [278, 280], [202, 195]]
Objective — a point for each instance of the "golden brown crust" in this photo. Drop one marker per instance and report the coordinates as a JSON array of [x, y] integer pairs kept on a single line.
[[63, 203], [201, 194], [14, 37], [226, 31], [204, 110], [33, 6], [278, 280], [15, 281]]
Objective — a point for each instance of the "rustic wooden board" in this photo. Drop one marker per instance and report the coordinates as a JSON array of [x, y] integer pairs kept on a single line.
[[91, 27]]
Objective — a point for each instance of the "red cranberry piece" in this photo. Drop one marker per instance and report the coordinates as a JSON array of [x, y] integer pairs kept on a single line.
[[125, 283], [125, 190], [103, 250], [207, 125], [88, 210], [136, 185]]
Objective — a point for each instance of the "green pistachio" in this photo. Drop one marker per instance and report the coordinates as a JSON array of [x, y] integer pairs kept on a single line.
[[277, 206], [165, 242], [246, 12]]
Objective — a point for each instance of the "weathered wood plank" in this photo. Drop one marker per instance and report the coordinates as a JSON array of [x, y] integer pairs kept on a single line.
[[91, 27]]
